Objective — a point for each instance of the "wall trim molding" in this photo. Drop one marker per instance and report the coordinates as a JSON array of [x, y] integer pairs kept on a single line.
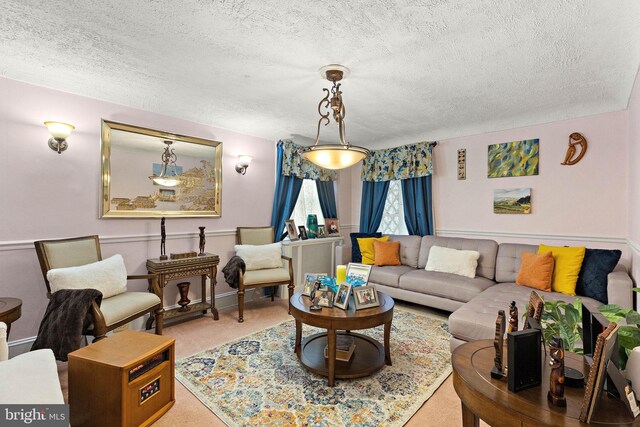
[[130, 238], [605, 239], [635, 247]]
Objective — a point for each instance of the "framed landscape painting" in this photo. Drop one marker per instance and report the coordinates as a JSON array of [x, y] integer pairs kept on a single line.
[[512, 201], [517, 158]]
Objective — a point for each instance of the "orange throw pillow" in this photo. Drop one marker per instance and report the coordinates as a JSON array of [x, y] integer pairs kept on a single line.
[[386, 253], [536, 271]]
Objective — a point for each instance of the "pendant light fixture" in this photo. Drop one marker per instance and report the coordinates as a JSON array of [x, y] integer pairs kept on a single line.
[[334, 156], [169, 173]]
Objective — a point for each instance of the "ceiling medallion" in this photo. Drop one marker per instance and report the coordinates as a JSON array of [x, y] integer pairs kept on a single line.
[[334, 156]]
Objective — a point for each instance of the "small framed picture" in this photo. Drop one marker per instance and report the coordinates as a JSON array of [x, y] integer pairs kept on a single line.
[[322, 231], [365, 297], [326, 298], [342, 296], [290, 225], [303, 232], [309, 281], [358, 274], [332, 226]]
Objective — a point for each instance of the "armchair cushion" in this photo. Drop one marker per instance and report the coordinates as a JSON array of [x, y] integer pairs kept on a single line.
[[258, 257], [109, 276], [122, 306], [273, 275], [30, 378]]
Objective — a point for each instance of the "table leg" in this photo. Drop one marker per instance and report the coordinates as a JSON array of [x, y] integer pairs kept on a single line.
[[161, 284], [387, 335], [331, 336], [298, 338], [469, 419], [214, 310]]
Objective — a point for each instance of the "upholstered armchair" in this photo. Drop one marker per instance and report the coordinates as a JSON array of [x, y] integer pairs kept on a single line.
[[257, 275], [118, 306]]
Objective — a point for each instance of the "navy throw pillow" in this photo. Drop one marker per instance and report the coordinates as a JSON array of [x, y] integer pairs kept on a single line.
[[356, 255], [592, 280]]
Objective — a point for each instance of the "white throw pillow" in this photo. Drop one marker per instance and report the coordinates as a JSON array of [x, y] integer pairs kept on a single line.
[[454, 261], [109, 276], [258, 257]]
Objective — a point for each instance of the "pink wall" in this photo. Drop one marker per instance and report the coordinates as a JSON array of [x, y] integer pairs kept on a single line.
[[50, 195], [634, 176]]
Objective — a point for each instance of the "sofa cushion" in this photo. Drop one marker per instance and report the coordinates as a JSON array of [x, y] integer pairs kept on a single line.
[[388, 275], [476, 320], [487, 249], [386, 253], [568, 261], [596, 266], [356, 255], [536, 271], [109, 276], [454, 261], [509, 259], [444, 285], [409, 248], [30, 379], [258, 257], [366, 248]]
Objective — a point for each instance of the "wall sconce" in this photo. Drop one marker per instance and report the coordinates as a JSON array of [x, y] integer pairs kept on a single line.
[[59, 134], [243, 163]]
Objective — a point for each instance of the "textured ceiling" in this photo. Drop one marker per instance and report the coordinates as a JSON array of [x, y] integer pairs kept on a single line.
[[420, 70]]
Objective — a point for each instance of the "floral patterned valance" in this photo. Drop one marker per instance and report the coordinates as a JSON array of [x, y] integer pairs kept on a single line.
[[293, 164], [407, 161]]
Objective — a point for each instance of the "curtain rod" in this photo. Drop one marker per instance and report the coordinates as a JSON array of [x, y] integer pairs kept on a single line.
[[433, 144]]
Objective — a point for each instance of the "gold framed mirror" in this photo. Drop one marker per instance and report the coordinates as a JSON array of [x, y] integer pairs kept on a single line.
[[148, 173]]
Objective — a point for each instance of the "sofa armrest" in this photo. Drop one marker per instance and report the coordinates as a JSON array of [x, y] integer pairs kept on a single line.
[[619, 286], [343, 254]]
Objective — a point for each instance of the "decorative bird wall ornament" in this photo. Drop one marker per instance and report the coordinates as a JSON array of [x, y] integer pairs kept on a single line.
[[575, 139]]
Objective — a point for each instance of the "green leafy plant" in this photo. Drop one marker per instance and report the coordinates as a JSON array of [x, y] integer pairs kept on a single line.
[[629, 334], [564, 320]]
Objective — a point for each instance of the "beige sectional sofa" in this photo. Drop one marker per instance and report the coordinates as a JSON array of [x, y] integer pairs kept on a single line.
[[474, 303]]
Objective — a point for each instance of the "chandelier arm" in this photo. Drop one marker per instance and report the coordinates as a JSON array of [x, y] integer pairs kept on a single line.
[[342, 132], [326, 118]]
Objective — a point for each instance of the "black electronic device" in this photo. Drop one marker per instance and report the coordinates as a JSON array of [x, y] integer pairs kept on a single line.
[[524, 359]]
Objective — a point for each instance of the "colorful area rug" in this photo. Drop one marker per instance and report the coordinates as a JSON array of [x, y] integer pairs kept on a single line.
[[258, 381]]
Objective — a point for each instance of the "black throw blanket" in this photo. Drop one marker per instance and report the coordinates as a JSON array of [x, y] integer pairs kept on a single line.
[[231, 270], [66, 319]]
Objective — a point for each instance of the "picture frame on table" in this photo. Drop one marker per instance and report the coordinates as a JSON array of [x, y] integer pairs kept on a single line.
[[322, 231], [342, 296], [326, 298], [365, 297], [358, 274], [332, 226], [303, 232], [290, 225], [309, 281]]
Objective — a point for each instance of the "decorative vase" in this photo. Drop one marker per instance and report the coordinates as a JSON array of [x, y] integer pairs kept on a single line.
[[632, 372], [312, 226], [184, 300]]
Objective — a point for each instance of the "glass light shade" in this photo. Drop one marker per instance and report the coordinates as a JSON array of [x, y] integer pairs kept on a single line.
[[244, 160], [335, 156], [59, 130], [166, 181]]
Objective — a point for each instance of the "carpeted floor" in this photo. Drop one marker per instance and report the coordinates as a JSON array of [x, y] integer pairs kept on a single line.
[[257, 380], [442, 409]]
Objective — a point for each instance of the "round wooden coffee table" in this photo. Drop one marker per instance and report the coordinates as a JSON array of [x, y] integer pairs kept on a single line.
[[490, 399], [10, 311], [369, 355]]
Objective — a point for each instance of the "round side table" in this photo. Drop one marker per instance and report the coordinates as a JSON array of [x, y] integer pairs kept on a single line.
[[10, 311]]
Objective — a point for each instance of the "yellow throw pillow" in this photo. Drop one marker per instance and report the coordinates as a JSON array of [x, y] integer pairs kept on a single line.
[[568, 261], [367, 249]]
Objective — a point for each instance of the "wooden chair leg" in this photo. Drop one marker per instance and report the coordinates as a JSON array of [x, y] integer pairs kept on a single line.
[[240, 305], [290, 295], [159, 316], [273, 292]]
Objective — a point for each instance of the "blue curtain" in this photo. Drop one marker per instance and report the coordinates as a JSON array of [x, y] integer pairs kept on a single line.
[[285, 197], [327, 197], [418, 209], [374, 194]]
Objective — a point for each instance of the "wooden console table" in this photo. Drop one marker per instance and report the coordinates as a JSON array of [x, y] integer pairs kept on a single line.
[[171, 269], [490, 400]]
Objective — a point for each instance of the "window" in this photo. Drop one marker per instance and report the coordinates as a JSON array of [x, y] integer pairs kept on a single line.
[[308, 203], [393, 216]]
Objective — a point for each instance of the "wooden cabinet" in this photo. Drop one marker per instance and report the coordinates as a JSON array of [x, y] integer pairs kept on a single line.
[[311, 256], [123, 380]]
